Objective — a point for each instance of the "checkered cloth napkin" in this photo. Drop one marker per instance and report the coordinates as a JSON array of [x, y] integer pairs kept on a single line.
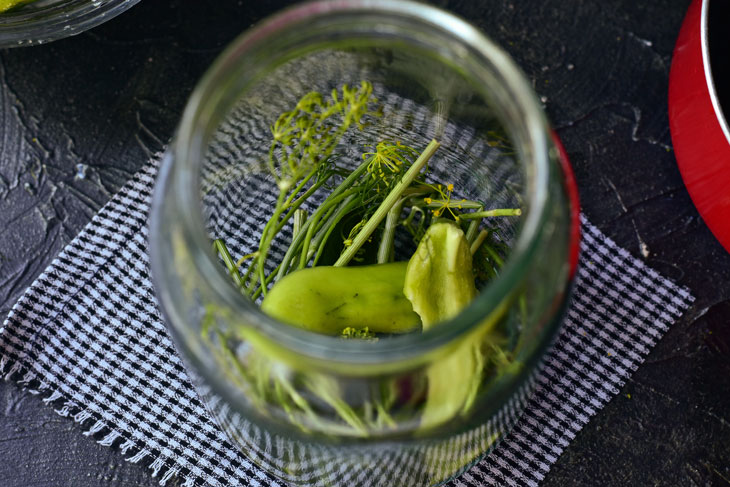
[[89, 338]]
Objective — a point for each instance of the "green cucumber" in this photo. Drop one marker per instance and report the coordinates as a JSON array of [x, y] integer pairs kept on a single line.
[[328, 299]]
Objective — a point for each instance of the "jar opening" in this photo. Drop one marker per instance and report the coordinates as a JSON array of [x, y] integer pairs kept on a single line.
[[469, 64]]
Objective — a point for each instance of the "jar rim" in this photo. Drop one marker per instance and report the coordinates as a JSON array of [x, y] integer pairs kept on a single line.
[[190, 142]]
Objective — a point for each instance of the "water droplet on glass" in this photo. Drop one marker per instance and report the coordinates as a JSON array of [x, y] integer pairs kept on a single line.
[[81, 171]]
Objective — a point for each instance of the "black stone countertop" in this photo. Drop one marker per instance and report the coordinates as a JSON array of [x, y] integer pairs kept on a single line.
[[79, 116]]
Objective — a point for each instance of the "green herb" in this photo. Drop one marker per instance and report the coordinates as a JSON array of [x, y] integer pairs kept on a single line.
[[362, 333], [303, 140], [316, 287], [387, 203]]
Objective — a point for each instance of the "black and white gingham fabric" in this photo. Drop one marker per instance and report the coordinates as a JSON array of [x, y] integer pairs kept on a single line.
[[88, 337]]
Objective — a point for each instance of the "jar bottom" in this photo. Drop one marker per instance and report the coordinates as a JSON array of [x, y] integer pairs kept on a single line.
[[418, 462]]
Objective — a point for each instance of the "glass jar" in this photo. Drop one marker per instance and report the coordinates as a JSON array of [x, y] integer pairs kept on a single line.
[[40, 21], [320, 410]]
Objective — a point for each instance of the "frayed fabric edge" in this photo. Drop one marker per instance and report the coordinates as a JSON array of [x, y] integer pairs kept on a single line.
[[13, 371]]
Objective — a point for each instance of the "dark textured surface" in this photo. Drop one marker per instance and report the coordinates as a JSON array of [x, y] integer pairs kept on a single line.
[[79, 116]]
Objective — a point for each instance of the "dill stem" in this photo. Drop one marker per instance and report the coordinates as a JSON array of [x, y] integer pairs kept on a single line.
[[280, 206], [387, 204], [299, 400], [300, 216], [316, 217], [471, 231], [251, 267], [497, 259], [243, 259], [314, 187], [220, 246], [327, 391], [343, 210], [297, 239], [385, 251], [490, 213], [412, 214], [299, 187], [349, 180], [266, 238], [478, 241], [460, 204], [312, 233], [264, 284], [293, 207]]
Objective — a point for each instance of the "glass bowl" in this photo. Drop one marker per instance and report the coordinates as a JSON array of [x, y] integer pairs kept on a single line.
[[314, 409], [48, 20]]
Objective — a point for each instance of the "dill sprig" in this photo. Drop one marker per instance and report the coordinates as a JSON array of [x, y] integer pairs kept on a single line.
[[387, 203], [303, 140]]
